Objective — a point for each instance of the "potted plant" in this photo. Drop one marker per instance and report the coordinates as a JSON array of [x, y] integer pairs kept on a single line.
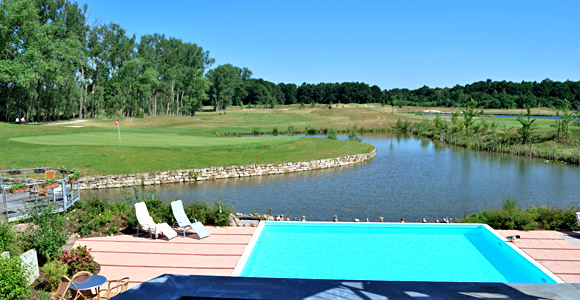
[[50, 184], [39, 170], [74, 176], [18, 188]]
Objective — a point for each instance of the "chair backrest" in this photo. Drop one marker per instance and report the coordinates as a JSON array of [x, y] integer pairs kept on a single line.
[[114, 288], [49, 175], [179, 212], [142, 213], [62, 287], [124, 284], [86, 274]]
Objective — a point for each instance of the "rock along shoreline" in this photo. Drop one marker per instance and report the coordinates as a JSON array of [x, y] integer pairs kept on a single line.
[[213, 173]]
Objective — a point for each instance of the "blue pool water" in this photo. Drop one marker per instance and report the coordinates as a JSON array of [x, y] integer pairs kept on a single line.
[[397, 252]]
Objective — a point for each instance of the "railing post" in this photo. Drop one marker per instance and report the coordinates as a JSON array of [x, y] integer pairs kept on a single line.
[[4, 197], [78, 190], [64, 194]]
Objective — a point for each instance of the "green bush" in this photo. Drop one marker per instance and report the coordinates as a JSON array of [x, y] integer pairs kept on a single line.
[[94, 214], [215, 214], [53, 272], [332, 134], [510, 216], [8, 238], [160, 211], [311, 130], [13, 279], [353, 136], [48, 234]]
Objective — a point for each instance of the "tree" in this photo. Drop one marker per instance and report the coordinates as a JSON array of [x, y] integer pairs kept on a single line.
[[225, 79], [289, 91], [528, 126], [468, 114]]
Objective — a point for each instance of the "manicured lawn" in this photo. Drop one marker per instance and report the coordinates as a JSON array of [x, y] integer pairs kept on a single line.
[[169, 143]]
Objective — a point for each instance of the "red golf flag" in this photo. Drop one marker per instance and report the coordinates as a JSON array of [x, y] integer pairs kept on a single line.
[[117, 122]]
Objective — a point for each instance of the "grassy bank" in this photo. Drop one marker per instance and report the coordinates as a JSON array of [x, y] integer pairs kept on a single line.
[[502, 135], [167, 143]]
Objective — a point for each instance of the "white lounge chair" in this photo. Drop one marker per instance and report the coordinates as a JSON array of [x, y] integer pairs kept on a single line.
[[183, 220], [146, 223]]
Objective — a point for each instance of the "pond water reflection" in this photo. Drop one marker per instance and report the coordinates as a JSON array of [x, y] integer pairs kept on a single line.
[[410, 177]]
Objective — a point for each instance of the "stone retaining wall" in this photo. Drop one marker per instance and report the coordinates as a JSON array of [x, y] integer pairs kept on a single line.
[[191, 175]]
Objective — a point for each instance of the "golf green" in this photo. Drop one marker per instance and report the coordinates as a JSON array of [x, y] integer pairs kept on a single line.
[[156, 140]]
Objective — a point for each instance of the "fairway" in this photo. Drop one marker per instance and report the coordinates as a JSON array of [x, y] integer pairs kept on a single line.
[[157, 140], [161, 143]]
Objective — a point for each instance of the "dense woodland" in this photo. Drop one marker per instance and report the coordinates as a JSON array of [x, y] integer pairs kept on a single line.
[[54, 64]]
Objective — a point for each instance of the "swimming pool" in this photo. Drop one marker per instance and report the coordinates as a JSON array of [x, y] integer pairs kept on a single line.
[[381, 251]]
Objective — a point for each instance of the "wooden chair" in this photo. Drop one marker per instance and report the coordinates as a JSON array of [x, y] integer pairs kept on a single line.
[[38, 190], [114, 288], [63, 287], [49, 175]]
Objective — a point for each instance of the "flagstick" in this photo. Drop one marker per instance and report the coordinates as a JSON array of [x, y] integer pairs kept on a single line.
[[119, 129]]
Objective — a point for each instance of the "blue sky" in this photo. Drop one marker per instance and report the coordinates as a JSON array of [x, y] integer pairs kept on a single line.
[[404, 44]]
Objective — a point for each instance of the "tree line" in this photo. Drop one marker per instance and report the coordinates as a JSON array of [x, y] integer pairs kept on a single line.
[[55, 65]]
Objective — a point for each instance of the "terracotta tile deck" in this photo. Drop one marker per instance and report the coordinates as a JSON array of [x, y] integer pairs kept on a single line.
[[142, 258], [558, 251]]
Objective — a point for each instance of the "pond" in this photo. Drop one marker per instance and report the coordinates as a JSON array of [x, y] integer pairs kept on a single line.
[[410, 177]]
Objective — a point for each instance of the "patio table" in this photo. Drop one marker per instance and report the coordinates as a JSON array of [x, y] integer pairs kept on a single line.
[[85, 284]]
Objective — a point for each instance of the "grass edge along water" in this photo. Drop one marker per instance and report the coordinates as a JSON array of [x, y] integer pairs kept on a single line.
[[476, 253]]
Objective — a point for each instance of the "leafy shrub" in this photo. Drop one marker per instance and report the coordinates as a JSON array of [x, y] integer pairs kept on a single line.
[[216, 214], [94, 214], [49, 233], [275, 131], [78, 259], [332, 134], [290, 129], [112, 229], [13, 279], [403, 125], [53, 272], [311, 130], [510, 216], [353, 136], [8, 237], [256, 130], [159, 211]]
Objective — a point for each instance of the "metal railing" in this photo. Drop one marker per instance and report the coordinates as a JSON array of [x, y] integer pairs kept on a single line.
[[36, 192]]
